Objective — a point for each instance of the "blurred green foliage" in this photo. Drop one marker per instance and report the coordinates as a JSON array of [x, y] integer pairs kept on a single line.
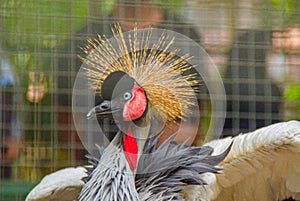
[[31, 28], [10, 190], [288, 11], [292, 93], [46, 23], [292, 104]]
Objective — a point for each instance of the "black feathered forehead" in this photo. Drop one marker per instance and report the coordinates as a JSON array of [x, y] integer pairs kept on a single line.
[[116, 83]]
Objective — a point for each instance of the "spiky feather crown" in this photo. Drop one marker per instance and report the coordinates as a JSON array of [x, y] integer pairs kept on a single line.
[[155, 67]]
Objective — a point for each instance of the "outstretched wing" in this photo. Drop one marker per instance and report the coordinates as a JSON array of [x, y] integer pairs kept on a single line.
[[64, 185], [262, 165]]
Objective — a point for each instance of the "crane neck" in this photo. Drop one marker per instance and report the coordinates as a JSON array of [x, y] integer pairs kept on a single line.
[[134, 141]]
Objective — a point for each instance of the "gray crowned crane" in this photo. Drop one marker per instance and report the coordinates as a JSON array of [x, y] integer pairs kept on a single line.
[[139, 83]]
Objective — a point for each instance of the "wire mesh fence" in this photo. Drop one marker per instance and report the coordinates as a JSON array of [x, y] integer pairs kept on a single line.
[[255, 45]]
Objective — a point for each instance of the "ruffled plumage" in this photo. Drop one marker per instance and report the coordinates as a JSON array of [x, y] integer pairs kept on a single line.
[[161, 175]]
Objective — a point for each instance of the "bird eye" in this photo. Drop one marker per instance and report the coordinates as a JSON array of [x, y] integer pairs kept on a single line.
[[127, 95]]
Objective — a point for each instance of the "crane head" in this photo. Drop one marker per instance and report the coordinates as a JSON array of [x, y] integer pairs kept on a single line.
[[126, 102], [122, 96], [138, 80]]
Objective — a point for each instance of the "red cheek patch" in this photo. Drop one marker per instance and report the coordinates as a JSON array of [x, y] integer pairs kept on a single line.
[[136, 107]]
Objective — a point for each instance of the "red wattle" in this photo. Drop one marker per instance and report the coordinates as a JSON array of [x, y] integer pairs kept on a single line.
[[135, 108], [130, 149]]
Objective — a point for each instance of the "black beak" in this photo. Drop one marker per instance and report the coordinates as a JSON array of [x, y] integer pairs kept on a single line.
[[104, 108]]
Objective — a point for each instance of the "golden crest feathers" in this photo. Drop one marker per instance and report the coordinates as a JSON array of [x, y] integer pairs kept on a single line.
[[154, 67]]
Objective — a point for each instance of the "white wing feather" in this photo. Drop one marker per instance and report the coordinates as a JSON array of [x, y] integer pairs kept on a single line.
[[262, 165], [63, 185]]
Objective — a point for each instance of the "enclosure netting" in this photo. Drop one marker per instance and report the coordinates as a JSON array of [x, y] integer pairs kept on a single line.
[[255, 45]]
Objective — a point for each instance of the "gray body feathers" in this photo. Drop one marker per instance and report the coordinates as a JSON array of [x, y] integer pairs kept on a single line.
[[112, 178], [161, 173]]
